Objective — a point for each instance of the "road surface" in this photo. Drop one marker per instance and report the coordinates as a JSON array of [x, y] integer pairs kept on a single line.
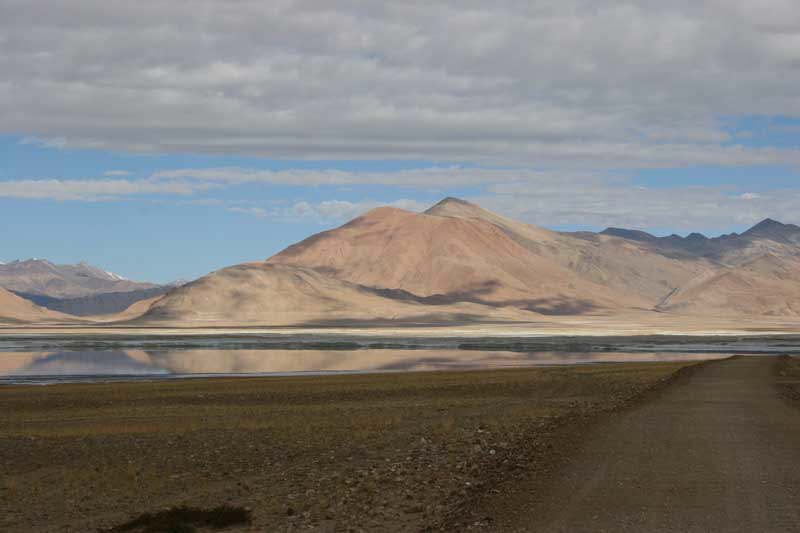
[[719, 451]]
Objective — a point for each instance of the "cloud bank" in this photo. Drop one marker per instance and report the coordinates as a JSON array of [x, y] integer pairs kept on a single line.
[[94, 190], [326, 211], [573, 83], [548, 198]]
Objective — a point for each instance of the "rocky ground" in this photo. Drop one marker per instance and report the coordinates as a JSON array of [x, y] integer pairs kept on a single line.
[[383, 452]]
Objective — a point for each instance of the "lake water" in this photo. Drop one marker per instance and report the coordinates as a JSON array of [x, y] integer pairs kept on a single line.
[[134, 364], [92, 358]]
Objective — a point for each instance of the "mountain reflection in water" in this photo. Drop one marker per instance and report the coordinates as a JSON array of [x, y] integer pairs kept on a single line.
[[270, 361]]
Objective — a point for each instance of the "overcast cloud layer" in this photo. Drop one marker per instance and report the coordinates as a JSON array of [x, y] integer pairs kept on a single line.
[[547, 108], [595, 83]]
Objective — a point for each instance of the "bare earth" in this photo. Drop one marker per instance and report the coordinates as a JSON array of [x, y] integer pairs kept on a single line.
[[382, 452], [719, 451]]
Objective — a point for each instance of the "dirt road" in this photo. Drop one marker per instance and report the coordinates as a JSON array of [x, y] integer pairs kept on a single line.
[[717, 452]]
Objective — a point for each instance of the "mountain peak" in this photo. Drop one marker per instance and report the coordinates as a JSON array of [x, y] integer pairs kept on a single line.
[[631, 234], [451, 202], [769, 223], [456, 207], [772, 228]]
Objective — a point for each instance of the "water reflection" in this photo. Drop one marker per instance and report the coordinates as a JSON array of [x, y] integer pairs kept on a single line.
[[96, 363]]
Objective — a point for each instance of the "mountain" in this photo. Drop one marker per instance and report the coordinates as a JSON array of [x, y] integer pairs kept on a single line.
[[135, 310], [81, 289], [267, 294], [105, 303], [774, 231], [41, 277], [460, 263], [453, 258], [768, 285], [14, 309], [755, 273], [630, 270], [766, 237], [457, 251]]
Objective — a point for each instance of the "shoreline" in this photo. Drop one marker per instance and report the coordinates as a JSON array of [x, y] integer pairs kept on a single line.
[[209, 378], [621, 325]]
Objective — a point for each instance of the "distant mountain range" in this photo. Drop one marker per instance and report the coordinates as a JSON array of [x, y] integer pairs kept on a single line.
[[458, 262], [80, 290]]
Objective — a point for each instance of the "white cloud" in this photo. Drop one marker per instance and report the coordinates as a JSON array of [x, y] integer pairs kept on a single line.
[[336, 210], [116, 173], [253, 211], [597, 203], [325, 211], [94, 190], [432, 177], [600, 84], [545, 197], [584, 202], [201, 202]]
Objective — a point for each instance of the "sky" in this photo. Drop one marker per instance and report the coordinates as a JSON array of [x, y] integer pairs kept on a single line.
[[163, 139]]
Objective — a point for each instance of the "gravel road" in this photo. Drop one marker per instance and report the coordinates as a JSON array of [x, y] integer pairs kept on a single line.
[[719, 451]]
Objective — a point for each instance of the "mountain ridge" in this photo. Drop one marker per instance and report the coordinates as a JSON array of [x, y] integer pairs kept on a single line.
[[78, 289], [457, 262]]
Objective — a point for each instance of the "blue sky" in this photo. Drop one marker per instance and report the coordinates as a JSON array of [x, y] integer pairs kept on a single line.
[[162, 143], [162, 237]]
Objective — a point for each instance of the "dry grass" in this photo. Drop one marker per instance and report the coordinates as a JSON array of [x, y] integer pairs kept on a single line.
[[329, 452]]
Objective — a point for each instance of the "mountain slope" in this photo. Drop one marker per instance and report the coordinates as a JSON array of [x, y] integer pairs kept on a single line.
[[14, 309], [458, 251], [462, 251], [460, 262], [631, 269], [267, 294], [135, 310], [768, 285], [455, 258]]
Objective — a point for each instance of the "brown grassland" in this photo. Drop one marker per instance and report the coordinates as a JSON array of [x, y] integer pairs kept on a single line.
[[396, 451]]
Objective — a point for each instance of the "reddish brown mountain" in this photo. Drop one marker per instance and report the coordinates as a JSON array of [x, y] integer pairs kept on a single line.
[[450, 259], [458, 251], [460, 262]]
